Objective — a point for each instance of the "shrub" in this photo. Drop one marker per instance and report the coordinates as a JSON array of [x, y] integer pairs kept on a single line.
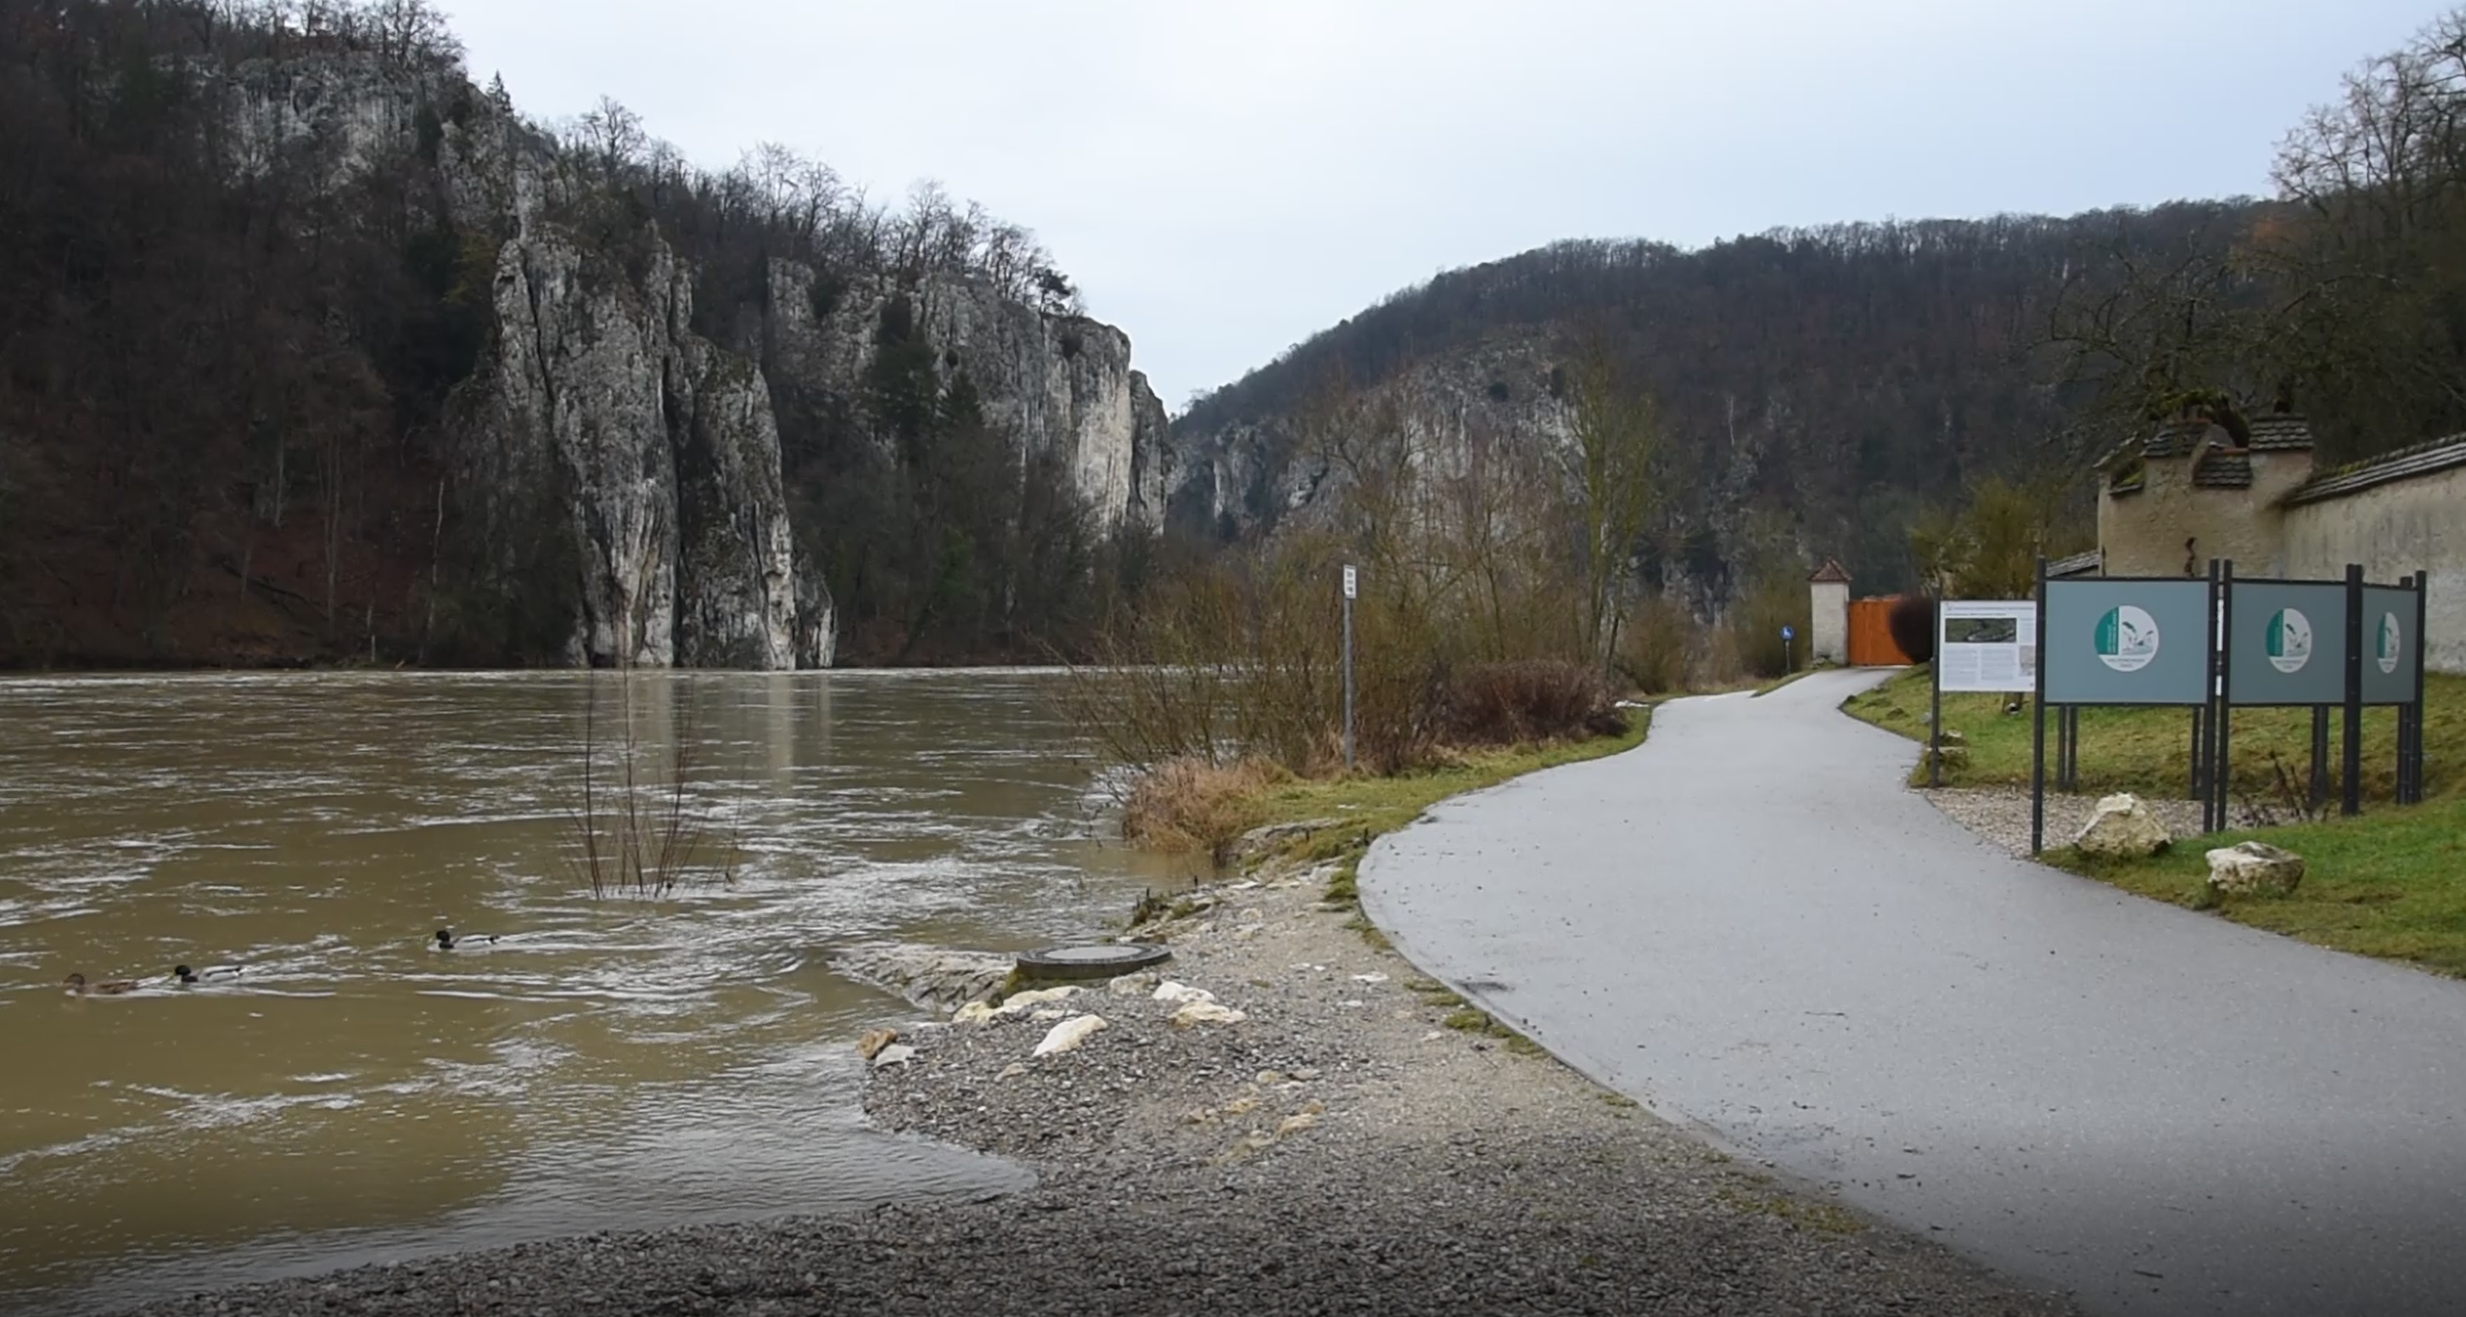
[[1657, 644], [1912, 624], [1529, 701], [1189, 804], [1777, 597]]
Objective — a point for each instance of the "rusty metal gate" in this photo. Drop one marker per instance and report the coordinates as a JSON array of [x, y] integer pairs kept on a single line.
[[1870, 635]]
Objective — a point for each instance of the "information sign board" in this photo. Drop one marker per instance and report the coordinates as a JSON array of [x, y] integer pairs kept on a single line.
[[2285, 642], [2113, 640], [1988, 645], [2391, 649]]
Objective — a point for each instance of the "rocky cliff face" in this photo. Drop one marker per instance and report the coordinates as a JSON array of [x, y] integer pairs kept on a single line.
[[1062, 385], [656, 449], [663, 449], [1258, 472]]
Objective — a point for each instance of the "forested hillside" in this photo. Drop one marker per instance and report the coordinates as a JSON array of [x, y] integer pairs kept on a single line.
[[1820, 391], [313, 350]]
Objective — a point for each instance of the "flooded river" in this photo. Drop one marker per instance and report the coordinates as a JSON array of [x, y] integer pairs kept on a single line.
[[353, 1094]]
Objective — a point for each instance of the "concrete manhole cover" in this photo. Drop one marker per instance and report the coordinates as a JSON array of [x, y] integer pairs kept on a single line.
[[1091, 962]]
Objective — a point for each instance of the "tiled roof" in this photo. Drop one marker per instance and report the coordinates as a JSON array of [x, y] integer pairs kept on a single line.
[[2087, 563], [1830, 571], [2420, 460], [2280, 432], [2221, 468], [2174, 438]]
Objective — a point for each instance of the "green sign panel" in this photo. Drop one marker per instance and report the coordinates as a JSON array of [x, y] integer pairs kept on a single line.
[[2126, 642], [2286, 643], [2391, 649]]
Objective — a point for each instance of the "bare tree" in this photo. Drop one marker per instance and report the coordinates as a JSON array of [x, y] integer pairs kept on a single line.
[[612, 137], [1611, 461]]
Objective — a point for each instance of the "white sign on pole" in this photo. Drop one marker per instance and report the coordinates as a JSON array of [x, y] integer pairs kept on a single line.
[[1352, 582], [1988, 645]]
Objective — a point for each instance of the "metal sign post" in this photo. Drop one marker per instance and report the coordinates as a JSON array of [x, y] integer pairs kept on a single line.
[[1935, 704], [1352, 587], [2037, 719], [2414, 755], [2351, 790]]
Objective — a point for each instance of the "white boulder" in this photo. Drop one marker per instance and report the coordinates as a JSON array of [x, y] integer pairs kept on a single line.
[[1205, 1012], [2123, 827], [2248, 867], [1172, 994], [1028, 1001], [1069, 1034]]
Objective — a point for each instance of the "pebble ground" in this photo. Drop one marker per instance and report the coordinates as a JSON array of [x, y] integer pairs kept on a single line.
[[1359, 1143]]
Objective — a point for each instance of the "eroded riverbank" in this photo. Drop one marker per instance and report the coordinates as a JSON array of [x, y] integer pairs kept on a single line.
[[1340, 1148]]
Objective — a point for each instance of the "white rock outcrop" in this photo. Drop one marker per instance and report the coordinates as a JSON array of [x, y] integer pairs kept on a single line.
[[660, 449], [600, 425], [1061, 384], [2254, 867], [2122, 826]]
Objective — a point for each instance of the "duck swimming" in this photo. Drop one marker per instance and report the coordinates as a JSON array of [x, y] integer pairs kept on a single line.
[[447, 941], [78, 987], [185, 976]]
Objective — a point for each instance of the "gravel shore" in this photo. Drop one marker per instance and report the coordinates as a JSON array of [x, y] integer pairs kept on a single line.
[[1356, 1142]]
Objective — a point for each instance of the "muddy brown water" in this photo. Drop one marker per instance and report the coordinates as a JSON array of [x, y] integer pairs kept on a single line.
[[354, 1095]]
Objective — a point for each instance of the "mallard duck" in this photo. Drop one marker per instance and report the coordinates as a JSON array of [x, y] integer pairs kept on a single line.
[[186, 976], [447, 939], [78, 987]]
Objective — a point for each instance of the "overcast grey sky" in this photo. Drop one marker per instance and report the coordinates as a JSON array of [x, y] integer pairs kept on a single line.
[[1224, 179]]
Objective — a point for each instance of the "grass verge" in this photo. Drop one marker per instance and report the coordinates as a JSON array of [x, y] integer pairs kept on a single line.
[[1365, 807], [1370, 805], [2390, 882]]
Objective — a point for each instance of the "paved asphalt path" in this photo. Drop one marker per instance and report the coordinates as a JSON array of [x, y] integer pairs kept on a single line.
[[1749, 924]]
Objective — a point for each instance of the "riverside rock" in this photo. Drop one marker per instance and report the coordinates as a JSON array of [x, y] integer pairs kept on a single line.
[[2250, 867], [1193, 1014], [2123, 827], [935, 978], [1069, 1034]]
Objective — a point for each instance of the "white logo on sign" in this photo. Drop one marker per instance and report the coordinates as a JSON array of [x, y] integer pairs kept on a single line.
[[2390, 638], [2127, 638], [2290, 640]]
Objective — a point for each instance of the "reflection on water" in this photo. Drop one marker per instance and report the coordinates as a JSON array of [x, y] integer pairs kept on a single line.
[[354, 1094]]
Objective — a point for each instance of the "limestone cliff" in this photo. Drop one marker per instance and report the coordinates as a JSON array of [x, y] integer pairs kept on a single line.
[[1254, 472], [664, 452], [657, 449], [1061, 385]]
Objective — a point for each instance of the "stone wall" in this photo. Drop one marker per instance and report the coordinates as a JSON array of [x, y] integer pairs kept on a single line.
[[2394, 529], [2173, 527]]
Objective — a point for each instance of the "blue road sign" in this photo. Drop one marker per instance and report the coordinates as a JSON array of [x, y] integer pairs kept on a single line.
[[1789, 633]]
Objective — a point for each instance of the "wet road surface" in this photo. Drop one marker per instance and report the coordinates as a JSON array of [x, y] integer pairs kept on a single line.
[[1749, 924]]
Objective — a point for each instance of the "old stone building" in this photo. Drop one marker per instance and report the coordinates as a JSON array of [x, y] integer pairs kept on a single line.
[[2192, 491]]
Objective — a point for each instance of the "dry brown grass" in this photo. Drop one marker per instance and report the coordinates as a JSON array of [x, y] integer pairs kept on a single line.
[[1188, 804]]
